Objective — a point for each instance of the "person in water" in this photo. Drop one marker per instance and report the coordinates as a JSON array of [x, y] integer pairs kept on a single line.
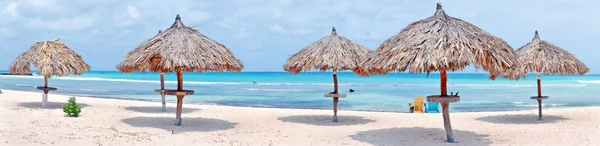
[[351, 90]]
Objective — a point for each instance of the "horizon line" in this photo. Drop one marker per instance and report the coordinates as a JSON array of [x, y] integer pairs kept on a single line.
[[303, 72]]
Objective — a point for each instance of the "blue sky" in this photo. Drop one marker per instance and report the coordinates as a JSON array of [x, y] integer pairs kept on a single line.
[[263, 33]]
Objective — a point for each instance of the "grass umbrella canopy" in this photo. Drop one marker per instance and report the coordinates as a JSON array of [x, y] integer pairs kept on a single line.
[[546, 58], [440, 42], [331, 52], [180, 48], [50, 58]]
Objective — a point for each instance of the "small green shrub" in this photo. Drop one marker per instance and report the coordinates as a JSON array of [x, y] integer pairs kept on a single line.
[[72, 109]]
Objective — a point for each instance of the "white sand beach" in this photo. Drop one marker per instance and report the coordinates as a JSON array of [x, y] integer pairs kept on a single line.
[[126, 122]]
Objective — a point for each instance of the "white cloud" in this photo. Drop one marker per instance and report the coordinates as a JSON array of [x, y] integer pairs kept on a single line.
[[61, 24], [11, 10], [132, 12], [129, 17], [45, 6], [276, 28], [9, 14]]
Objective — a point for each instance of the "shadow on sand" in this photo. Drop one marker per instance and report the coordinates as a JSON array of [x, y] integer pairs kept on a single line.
[[50, 105], [419, 136], [158, 108], [521, 119], [326, 120], [187, 124]]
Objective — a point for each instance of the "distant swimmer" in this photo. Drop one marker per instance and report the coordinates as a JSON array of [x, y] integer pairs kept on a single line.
[[254, 82], [351, 90]]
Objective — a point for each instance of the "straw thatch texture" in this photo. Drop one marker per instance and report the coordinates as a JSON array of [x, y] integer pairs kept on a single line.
[[546, 58], [331, 52], [440, 42], [50, 58], [180, 48]]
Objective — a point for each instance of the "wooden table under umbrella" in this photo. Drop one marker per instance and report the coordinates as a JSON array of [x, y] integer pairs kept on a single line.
[[440, 43], [50, 58], [545, 58], [333, 52], [180, 49]]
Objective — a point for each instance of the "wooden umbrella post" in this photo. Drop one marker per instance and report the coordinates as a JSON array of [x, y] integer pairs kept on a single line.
[[179, 93], [45, 96], [539, 96], [162, 81], [162, 92], [335, 107], [445, 112], [539, 100], [444, 99], [336, 98], [539, 84], [335, 91], [443, 80], [447, 124], [335, 82], [179, 80], [179, 107], [179, 98], [335, 95], [46, 89]]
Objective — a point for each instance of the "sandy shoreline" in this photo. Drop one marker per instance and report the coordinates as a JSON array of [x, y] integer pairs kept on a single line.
[[131, 122], [171, 99]]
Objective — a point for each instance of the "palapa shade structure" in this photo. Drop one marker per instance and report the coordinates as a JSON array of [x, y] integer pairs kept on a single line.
[[332, 52], [545, 58], [441, 43], [180, 49], [50, 58]]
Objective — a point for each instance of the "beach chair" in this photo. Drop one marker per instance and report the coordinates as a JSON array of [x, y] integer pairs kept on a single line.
[[419, 102], [432, 107]]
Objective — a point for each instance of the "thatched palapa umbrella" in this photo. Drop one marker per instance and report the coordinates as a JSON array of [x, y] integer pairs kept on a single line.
[[545, 58], [50, 58], [332, 52], [180, 49], [441, 43]]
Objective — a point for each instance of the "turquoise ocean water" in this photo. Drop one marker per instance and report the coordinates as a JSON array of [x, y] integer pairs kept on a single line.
[[390, 92]]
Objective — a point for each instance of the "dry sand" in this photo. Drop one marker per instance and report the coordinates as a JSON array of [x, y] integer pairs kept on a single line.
[[126, 122]]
